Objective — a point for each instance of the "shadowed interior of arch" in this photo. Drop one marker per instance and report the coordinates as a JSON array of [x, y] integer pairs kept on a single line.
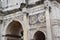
[[14, 30], [39, 36]]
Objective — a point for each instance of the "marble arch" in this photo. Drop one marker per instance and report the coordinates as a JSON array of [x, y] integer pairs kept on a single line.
[[14, 31], [10, 22]]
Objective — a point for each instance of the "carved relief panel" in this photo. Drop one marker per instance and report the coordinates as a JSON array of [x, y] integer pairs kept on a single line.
[[37, 18], [55, 23]]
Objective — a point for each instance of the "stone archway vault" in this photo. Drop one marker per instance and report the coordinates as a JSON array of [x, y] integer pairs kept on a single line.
[[14, 31], [39, 36]]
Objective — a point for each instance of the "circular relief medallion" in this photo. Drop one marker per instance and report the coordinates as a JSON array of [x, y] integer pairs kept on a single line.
[[33, 19], [41, 18]]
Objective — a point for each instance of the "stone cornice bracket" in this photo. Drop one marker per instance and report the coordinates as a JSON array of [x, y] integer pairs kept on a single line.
[[27, 14], [24, 10], [48, 5]]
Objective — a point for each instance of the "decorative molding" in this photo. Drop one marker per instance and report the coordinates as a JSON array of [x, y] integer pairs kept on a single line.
[[56, 4], [20, 17], [55, 22], [32, 29], [56, 30], [13, 15], [36, 8]]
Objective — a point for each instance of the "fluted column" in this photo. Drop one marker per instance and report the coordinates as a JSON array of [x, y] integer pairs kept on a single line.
[[48, 25], [25, 26]]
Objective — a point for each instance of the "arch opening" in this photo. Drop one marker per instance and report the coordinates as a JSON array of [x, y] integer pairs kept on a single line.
[[14, 31], [39, 36]]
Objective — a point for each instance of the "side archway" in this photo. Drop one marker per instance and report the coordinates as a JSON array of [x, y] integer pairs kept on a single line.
[[14, 31], [39, 36]]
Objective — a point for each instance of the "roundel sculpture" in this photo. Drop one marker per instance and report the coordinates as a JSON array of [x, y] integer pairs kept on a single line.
[[33, 19], [41, 18]]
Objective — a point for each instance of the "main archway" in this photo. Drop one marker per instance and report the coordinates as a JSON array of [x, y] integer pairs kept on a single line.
[[39, 36], [14, 31]]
